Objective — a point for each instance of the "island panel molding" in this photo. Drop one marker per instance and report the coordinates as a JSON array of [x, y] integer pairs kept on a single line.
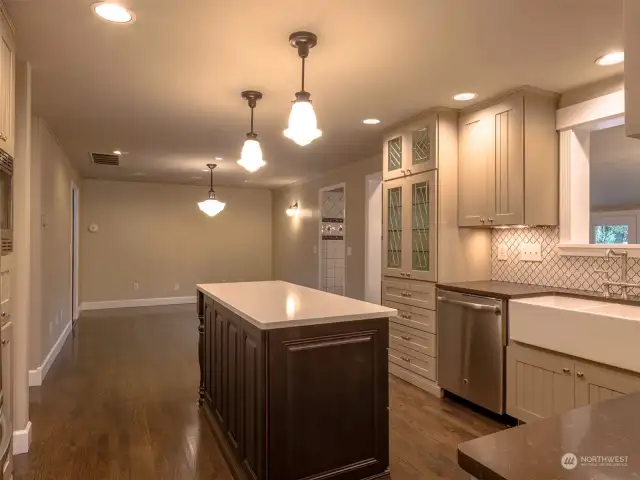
[[301, 401]]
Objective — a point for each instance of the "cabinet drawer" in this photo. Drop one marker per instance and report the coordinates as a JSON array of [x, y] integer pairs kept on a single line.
[[416, 340], [415, 317], [425, 367], [410, 292]]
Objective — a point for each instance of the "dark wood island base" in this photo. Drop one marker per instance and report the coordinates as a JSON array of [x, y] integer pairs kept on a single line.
[[301, 402]]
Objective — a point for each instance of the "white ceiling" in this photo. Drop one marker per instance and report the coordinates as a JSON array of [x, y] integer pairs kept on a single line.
[[614, 168], [167, 88]]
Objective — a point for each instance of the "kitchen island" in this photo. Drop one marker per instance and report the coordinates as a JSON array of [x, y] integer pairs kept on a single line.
[[294, 381]]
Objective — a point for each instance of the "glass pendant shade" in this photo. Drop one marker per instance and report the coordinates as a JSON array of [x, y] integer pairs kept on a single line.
[[303, 125], [251, 156], [211, 206]]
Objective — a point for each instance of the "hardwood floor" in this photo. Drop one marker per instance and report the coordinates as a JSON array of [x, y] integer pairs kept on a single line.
[[120, 402]]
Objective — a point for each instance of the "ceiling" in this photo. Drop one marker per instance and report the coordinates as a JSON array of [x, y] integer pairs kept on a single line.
[[167, 87], [614, 168]]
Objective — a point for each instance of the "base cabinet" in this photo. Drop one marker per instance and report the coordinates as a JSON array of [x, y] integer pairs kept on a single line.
[[297, 403], [595, 383], [541, 383]]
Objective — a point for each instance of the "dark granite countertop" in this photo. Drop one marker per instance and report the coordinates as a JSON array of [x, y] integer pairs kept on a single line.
[[508, 290], [535, 451]]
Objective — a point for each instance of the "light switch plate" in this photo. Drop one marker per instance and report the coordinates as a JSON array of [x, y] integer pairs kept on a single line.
[[502, 251], [315, 249], [349, 251], [530, 252]]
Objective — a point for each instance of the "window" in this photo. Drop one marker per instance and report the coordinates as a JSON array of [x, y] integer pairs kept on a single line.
[[611, 234]]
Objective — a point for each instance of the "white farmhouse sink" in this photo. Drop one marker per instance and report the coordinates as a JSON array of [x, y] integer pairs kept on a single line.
[[607, 333]]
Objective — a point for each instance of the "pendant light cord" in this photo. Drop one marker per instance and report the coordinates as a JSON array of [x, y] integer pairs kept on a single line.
[[303, 58], [252, 119], [211, 183]]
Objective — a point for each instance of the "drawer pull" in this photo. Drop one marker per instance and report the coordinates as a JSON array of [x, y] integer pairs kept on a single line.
[[406, 359], [408, 316], [405, 294], [405, 337], [580, 375], [566, 370]]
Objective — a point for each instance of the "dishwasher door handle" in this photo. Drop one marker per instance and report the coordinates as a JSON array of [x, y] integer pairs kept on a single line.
[[475, 306]]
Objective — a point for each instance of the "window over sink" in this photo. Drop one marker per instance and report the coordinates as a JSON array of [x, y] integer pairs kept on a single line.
[[599, 179]]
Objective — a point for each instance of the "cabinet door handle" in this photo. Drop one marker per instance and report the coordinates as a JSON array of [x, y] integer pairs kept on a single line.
[[406, 359], [491, 220], [402, 171], [408, 274], [408, 316], [482, 220], [566, 370], [402, 274], [405, 337], [580, 374], [405, 294]]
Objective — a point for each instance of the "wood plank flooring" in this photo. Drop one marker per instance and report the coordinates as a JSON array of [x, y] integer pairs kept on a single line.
[[120, 403]]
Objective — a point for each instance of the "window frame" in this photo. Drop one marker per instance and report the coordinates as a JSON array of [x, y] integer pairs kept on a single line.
[[575, 124]]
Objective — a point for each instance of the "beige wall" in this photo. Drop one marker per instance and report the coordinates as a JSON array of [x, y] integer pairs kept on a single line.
[[50, 241], [591, 91], [155, 235], [295, 237]]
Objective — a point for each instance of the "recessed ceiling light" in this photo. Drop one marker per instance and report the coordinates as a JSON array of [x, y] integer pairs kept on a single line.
[[117, 152], [463, 97], [613, 58], [371, 121], [113, 12], [219, 158]]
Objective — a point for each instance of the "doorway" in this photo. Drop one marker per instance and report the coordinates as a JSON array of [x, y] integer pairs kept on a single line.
[[332, 271], [373, 238], [75, 243]]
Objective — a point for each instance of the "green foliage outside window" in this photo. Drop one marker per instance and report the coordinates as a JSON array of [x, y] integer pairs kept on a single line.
[[612, 234]]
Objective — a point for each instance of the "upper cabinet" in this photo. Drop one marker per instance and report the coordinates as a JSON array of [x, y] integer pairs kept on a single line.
[[7, 87], [632, 67], [411, 148], [508, 162]]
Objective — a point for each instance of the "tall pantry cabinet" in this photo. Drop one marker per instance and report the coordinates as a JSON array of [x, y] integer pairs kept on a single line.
[[422, 243]]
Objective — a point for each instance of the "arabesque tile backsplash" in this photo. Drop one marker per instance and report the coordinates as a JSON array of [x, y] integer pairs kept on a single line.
[[554, 270]]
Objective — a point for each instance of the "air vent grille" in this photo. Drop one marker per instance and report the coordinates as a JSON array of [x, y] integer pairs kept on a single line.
[[105, 159], [7, 246]]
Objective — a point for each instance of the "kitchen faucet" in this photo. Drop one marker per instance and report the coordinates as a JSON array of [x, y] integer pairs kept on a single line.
[[624, 275]]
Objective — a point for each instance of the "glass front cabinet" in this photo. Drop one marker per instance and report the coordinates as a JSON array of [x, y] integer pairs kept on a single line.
[[409, 227], [411, 149]]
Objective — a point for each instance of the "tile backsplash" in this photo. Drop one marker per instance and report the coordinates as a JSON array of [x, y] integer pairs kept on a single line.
[[554, 270]]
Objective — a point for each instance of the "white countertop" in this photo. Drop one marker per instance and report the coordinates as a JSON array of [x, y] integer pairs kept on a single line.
[[276, 304]]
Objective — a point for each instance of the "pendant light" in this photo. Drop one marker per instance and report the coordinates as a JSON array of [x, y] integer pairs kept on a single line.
[[211, 206], [251, 156], [303, 125]]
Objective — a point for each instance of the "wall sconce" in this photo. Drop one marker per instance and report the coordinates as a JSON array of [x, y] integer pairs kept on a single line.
[[292, 210]]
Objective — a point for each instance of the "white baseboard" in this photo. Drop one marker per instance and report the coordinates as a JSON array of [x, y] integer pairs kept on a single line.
[[36, 377], [136, 302], [22, 440]]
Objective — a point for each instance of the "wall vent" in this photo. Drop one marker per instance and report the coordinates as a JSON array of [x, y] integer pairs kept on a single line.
[[105, 159]]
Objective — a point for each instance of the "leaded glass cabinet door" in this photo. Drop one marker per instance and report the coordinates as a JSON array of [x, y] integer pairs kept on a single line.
[[393, 224], [420, 233], [422, 137], [395, 154]]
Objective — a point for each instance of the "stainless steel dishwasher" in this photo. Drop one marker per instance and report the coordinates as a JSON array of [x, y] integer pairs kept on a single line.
[[472, 348]]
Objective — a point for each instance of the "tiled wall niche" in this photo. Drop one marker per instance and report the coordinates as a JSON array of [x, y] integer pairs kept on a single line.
[[554, 270], [332, 263]]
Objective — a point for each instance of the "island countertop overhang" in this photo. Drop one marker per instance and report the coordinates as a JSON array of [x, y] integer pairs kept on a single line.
[[276, 304]]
